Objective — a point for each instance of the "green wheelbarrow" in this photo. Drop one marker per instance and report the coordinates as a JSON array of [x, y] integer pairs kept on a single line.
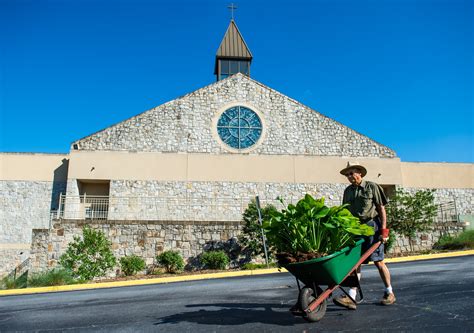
[[334, 271]]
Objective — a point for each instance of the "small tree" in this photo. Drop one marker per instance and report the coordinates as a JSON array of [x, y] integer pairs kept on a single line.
[[408, 213], [251, 236], [90, 256]]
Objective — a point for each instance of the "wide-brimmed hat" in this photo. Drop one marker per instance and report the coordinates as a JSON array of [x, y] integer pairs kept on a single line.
[[354, 165]]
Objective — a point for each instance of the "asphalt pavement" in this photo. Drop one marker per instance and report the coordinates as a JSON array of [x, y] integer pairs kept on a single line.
[[432, 296]]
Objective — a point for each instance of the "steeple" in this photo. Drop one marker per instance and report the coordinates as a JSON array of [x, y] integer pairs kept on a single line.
[[233, 55]]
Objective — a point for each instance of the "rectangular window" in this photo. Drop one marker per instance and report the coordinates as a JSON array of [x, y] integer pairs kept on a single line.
[[234, 67], [244, 67], [225, 66]]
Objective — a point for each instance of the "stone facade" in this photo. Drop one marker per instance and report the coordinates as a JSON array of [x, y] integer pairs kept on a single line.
[[464, 198], [24, 205], [146, 239], [186, 125], [424, 241], [223, 201]]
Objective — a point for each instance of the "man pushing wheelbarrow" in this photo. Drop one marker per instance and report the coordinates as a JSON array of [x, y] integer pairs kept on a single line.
[[367, 201], [324, 247]]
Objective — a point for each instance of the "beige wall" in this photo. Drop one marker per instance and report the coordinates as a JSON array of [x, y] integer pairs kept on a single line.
[[438, 175], [33, 167], [203, 167], [231, 167]]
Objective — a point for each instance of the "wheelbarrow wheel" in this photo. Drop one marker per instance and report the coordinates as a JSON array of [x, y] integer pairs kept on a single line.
[[305, 298]]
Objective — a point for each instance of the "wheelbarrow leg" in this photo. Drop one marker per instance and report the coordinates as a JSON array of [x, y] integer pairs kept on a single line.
[[296, 309]]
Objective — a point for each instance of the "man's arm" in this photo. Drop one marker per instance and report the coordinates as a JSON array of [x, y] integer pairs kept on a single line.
[[382, 215], [383, 220]]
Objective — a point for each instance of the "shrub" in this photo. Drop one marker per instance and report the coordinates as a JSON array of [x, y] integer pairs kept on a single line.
[[90, 257], [392, 238], [465, 240], [131, 265], [171, 261], [251, 236], [215, 259], [54, 277]]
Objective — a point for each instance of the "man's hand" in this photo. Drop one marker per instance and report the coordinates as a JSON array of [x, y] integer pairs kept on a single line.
[[384, 235]]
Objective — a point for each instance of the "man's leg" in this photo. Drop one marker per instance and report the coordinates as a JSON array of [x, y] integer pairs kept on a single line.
[[389, 297], [353, 291], [383, 271], [343, 300]]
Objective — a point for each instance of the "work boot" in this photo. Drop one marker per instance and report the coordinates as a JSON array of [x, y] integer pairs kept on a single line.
[[388, 299], [345, 302]]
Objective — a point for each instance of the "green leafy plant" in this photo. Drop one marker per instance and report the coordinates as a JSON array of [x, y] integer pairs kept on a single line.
[[90, 256], [311, 227], [54, 277], [392, 239], [215, 260], [251, 236], [408, 213], [465, 240], [131, 265], [171, 261]]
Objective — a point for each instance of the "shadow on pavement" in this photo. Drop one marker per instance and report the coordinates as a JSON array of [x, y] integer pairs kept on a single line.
[[236, 314]]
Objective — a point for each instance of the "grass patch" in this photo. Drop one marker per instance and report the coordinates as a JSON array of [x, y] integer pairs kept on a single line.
[[464, 240], [54, 277], [12, 283], [251, 266]]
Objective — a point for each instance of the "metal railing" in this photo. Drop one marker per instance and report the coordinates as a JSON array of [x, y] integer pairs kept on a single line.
[[90, 207], [20, 269], [447, 212]]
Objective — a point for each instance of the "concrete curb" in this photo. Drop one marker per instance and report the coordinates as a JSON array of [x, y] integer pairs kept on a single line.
[[88, 286]]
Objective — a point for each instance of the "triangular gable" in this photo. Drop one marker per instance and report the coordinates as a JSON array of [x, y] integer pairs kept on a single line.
[[185, 125]]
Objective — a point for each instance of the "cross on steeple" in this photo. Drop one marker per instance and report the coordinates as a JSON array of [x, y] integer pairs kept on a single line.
[[232, 7]]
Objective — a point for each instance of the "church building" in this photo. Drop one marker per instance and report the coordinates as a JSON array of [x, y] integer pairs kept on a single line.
[[179, 176]]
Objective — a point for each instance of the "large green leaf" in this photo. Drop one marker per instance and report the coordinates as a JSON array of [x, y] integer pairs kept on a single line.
[[310, 226]]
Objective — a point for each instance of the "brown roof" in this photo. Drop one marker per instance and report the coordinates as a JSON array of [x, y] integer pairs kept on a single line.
[[233, 44]]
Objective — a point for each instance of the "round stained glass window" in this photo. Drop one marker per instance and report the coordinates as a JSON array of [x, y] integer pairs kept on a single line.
[[239, 127]]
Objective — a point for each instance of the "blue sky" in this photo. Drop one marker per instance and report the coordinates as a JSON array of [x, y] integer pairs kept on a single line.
[[400, 72]]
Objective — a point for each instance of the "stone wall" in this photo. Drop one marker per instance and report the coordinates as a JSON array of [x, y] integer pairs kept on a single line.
[[146, 239], [187, 125]]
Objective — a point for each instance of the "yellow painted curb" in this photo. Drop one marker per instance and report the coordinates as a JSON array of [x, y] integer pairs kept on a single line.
[[183, 278], [431, 256], [99, 285]]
